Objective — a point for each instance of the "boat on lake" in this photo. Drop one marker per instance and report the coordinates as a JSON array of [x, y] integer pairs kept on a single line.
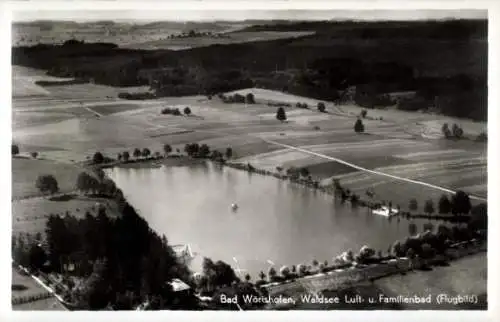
[[385, 211]]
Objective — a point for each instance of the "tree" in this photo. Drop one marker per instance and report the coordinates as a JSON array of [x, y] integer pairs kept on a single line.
[[95, 294], [137, 153], [428, 226], [444, 205], [119, 156], [429, 207], [167, 149], [157, 154], [229, 153], [98, 158], [84, 182], [34, 154], [285, 271], [271, 273], [457, 131], [204, 151], [460, 203], [445, 129], [482, 137], [125, 156], [192, 149], [262, 275], [280, 114], [145, 152], [427, 251], [37, 256], [304, 172], [410, 253], [47, 183], [321, 107], [358, 126], [250, 99], [413, 205], [15, 149], [397, 249], [187, 110], [364, 113], [315, 263], [100, 174], [412, 229], [479, 218]]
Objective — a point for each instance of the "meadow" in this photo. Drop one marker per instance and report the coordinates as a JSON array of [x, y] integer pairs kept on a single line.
[[62, 126]]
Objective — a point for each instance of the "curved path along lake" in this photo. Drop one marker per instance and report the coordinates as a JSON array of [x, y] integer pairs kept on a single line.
[[276, 221]]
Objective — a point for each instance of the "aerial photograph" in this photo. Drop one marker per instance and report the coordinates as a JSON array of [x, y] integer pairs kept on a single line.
[[249, 160]]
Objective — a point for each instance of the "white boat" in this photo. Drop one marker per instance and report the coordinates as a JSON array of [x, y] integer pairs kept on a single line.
[[384, 211]]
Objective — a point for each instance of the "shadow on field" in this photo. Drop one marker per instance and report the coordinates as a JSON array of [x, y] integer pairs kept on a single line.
[[18, 287], [66, 197]]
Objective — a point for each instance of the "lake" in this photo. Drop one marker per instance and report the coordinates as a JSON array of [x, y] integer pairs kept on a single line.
[[277, 221]]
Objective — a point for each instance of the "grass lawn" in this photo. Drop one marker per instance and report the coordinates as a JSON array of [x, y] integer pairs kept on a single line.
[[30, 215], [466, 276], [26, 171], [331, 168], [113, 108], [49, 304], [24, 285]]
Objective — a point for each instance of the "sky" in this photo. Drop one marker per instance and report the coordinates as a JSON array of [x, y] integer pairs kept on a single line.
[[237, 15]]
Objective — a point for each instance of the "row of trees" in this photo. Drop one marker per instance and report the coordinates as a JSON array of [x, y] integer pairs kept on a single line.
[[15, 151], [430, 243], [456, 131], [295, 173], [249, 98], [458, 204], [203, 151], [176, 111]]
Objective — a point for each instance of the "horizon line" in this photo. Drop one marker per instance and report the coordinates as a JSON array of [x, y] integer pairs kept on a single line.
[[147, 21]]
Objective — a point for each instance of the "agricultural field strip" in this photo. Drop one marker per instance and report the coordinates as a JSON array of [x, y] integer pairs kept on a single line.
[[43, 105], [425, 154], [371, 171], [478, 188], [444, 179], [443, 165]]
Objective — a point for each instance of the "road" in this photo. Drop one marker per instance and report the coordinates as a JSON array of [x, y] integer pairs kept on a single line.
[[425, 184]]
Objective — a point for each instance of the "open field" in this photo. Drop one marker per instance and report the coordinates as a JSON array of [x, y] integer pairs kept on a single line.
[[23, 286], [106, 31], [30, 214], [465, 276], [26, 171], [30, 286], [145, 36], [70, 130], [217, 39]]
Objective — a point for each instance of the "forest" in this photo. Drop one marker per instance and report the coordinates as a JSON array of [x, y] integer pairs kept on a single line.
[[444, 64]]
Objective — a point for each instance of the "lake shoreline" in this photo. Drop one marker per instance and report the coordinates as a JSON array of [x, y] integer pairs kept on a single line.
[[330, 191], [182, 160]]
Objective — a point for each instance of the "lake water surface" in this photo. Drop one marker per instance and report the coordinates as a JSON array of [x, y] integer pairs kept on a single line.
[[277, 221]]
